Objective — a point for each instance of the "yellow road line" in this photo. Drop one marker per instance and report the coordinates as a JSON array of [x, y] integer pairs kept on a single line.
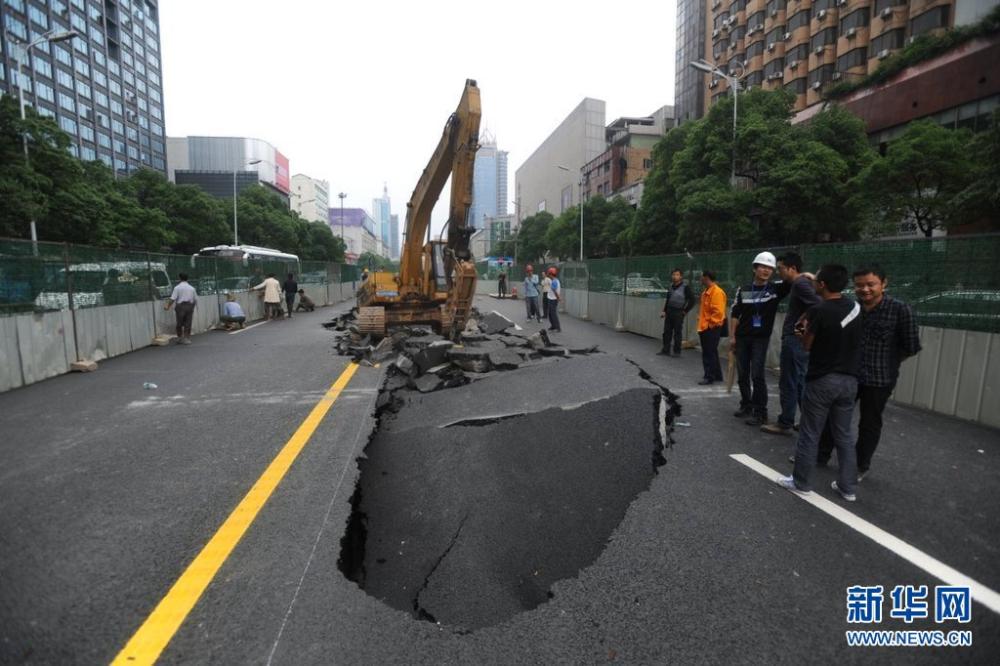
[[159, 628]]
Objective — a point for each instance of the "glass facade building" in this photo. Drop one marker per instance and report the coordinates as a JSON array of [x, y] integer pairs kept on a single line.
[[689, 83], [104, 87], [489, 184]]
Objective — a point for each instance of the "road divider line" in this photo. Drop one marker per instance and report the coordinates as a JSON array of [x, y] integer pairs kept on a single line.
[[981, 593], [149, 641], [260, 323]]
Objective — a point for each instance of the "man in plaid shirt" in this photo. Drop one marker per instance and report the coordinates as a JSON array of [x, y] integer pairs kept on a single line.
[[890, 337]]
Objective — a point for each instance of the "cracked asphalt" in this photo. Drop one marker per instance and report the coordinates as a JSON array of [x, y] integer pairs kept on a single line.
[[108, 491]]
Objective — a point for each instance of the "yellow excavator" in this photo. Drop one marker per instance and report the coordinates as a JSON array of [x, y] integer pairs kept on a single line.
[[437, 277]]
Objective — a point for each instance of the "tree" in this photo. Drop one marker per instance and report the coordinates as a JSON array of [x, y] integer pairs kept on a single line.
[[980, 200], [920, 177], [654, 227], [530, 241]]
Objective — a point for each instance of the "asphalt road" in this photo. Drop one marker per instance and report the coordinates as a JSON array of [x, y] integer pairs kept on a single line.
[[109, 491]]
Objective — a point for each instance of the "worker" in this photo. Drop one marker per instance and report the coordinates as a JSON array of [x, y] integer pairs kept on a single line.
[[305, 303], [554, 296], [272, 296], [232, 313]]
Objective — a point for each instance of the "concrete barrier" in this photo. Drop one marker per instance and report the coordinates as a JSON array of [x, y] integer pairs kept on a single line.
[[36, 346]]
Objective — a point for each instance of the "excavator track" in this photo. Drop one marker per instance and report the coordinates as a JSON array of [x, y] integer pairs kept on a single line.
[[371, 321]]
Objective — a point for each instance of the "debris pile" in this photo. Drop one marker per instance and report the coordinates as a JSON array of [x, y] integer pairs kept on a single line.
[[425, 361]]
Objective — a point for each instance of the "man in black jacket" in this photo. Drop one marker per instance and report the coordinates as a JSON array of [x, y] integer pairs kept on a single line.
[[679, 302]]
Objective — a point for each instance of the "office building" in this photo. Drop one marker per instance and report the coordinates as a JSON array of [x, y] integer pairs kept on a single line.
[[310, 198], [489, 183], [214, 163], [805, 45], [628, 157], [394, 237], [689, 84], [102, 86], [549, 179], [381, 212], [358, 230]]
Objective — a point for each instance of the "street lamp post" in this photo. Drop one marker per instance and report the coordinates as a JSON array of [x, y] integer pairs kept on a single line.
[[236, 228], [342, 196], [734, 85], [22, 53]]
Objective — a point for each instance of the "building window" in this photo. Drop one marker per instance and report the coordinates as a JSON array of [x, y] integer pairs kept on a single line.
[[15, 27], [776, 35], [737, 33], [755, 49], [719, 18], [83, 89], [38, 17], [774, 6], [755, 21], [45, 92], [541, 206], [99, 57], [800, 52], [822, 4], [929, 20], [78, 22], [755, 78], [42, 66], [776, 66], [647, 164], [68, 125], [853, 58], [86, 132], [66, 102], [798, 20], [887, 41], [15, 4], [824, 37], [797, 86], [884, 4], [96, 35], [856, 19], [821, 74], [738, 6], [103, 140]]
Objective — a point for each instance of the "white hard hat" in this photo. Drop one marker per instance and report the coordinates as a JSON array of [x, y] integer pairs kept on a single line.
[[765, 259]]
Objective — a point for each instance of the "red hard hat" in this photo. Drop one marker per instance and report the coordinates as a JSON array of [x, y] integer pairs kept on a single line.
[[553, 271]]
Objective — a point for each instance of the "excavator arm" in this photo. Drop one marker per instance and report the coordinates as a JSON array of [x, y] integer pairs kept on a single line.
[[454, 156]]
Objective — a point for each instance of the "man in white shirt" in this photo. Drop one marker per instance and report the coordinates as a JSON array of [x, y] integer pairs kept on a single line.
[[272, 296], [183, 299]]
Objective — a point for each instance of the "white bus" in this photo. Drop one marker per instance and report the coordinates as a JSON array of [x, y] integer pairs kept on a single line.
[[246, 252]]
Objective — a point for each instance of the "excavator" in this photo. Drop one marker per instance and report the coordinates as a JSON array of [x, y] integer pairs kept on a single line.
[[437, 277]]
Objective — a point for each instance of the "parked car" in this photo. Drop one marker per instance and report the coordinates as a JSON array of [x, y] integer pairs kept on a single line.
[[104, 283], [973, 309]]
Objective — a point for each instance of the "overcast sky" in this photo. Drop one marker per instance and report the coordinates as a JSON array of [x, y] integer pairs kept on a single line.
[[357, 93]]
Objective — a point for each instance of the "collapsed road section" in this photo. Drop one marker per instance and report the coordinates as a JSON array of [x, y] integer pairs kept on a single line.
[[476, 496]]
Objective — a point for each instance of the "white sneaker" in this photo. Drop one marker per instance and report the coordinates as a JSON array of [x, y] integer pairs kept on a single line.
[[848, 497], [788, 483]]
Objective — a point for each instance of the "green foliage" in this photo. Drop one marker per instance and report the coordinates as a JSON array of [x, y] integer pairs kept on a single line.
[[920, 177], [654, 228], [924, 47], [530, 241], [73, 201], [980, 200], [374, 262]]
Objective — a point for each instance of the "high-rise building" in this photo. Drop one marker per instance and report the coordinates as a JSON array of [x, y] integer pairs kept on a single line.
[[621, 168], [689, 83], [394, 237], [805, 45], [548, 180], [102, 84], [357, 228], [381, 211], [218, 164], [310, 198], [489, 182]]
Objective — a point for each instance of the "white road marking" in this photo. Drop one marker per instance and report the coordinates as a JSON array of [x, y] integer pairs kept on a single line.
[[241, 330], [938, 569]]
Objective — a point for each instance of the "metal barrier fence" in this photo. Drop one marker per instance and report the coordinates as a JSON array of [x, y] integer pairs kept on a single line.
[[43, 277], [62, 303]]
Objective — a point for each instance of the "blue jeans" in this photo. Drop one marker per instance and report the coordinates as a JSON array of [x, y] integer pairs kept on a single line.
[[794, 361], [751, 353], [827, 401]]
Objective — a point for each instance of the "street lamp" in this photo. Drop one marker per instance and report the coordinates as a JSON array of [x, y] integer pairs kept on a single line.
[[580, 184], [734, 85], [22, 54], [236, 233], [342, 196]]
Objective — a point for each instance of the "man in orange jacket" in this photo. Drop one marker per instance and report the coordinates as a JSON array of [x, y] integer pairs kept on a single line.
[[711, 320]]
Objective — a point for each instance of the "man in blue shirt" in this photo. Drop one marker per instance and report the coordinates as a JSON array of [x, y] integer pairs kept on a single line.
[[232, 313], [554, 296], [531, 294]]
